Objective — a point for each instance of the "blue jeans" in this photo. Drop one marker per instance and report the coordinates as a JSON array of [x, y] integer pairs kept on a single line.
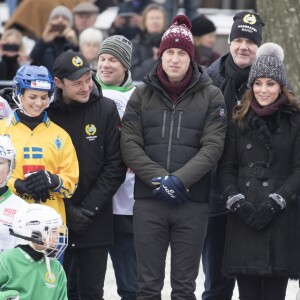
[[123, 258], [217, 287]]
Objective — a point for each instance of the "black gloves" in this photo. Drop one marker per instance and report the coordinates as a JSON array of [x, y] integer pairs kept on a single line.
[[265, 213], [244, 209], [256, 218], [21, 188], [171, 189], [78, 218], [37, 184], [41, 180], [44, 195]]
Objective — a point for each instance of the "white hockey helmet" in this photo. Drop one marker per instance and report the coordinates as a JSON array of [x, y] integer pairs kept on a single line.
[[42, 225], [7, 151]]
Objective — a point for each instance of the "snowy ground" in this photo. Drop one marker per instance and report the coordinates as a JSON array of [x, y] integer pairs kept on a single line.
[[110, 290]]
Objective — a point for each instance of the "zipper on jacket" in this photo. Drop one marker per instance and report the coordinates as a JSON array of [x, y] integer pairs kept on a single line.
[[179, 124], [170, 137], [164, 124]]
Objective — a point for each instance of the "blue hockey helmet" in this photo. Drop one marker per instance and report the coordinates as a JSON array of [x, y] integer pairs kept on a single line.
[[33, 78]]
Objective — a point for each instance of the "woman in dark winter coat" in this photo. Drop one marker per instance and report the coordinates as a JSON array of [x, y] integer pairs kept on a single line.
[[259, 177], [145, 45]]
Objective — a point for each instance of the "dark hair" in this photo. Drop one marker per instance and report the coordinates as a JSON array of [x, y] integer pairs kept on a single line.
[[241, 110]]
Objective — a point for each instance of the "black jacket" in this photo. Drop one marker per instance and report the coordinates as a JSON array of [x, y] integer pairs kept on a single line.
[[94, 128], [142, 60], [216, 72], [257, 161], [8, 67], [184, 138]]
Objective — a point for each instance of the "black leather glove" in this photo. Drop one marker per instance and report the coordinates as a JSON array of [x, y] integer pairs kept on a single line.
[[41, 180], [78, 218], [265, 213], [171, 189], [244, 209], [21, 188]]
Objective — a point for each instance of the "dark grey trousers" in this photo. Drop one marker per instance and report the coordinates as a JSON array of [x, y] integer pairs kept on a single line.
[[158, 225]]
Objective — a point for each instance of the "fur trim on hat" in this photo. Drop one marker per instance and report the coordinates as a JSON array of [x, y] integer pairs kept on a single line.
[[270, 49]]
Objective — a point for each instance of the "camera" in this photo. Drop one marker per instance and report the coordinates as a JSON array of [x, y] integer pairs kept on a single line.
[[58, 27], [11, 47]]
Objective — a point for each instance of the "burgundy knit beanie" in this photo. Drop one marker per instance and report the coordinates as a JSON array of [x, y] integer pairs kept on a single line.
[[178, 36]]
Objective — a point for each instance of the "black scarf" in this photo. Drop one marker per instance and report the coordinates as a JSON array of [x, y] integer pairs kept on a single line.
[[30, 122], [235, 84]]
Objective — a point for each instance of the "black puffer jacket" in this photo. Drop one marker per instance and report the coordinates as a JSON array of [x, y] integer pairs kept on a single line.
[[94, 129], [261, 159], [184, 138]]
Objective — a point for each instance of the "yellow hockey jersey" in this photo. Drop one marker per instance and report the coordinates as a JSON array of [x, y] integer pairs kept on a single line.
[[47, 147]]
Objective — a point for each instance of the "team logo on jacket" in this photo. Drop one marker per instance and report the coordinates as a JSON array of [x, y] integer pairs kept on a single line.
[[50, 279], [91, 130]]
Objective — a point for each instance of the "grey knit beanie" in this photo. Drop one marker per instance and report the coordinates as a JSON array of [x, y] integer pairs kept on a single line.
[[268, 64], [118, 46], [62, 10]]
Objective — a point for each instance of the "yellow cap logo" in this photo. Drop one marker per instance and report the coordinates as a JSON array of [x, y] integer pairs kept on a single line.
[[77, 61], [249, 19]]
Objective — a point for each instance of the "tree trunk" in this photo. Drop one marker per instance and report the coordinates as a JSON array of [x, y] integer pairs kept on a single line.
[[282, 19]]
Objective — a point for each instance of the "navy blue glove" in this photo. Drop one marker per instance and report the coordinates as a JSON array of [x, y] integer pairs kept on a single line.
[[265, 213], [41, 180], [171, 189]]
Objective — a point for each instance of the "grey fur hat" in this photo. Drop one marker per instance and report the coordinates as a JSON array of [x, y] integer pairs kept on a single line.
[[268, 64], [62, 10]]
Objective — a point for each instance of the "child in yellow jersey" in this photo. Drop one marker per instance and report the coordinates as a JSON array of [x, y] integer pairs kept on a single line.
[[46, 162]]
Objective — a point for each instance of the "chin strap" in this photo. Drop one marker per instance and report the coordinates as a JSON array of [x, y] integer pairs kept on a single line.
[[50, 274], [47, 260]]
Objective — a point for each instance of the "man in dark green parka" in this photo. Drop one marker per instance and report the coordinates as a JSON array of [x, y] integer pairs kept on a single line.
[[173, 134]]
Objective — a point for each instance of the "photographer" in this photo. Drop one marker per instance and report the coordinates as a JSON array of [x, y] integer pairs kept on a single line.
[[128, 22], [12, 53], [58, 36]]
